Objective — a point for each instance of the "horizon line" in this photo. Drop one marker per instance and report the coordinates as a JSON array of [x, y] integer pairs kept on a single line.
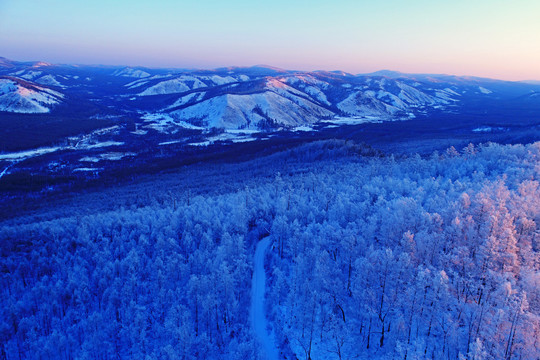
[[266, 66]]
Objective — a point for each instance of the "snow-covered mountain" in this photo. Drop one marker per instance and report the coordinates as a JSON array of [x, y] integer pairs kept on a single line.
[[21, 96], [254, 98], [238, 102], [252, 111], [248, 98]]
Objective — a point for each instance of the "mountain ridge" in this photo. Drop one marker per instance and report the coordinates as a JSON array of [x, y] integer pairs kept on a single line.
[[382, 72], [259, 97]]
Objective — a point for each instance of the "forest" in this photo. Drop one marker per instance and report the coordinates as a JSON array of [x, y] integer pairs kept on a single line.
[[372, 256]]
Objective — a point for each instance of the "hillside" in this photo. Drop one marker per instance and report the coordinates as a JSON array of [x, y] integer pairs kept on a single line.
[[20, 96], [62, 123], [261, 98]]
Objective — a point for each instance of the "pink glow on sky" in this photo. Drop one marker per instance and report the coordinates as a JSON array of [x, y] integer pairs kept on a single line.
[[488, 38]]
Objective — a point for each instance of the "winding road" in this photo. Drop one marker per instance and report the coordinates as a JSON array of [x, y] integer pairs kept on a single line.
[[258, 318]]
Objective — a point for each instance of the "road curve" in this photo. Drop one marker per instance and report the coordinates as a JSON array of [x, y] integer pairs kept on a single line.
[[258, 318]]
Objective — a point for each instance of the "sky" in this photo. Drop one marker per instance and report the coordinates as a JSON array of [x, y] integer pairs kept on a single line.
[[489, 38]]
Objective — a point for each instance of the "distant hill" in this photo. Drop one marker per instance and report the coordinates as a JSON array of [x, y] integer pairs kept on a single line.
[[21, 96], [256, 98], [44, 104], [533, 82]]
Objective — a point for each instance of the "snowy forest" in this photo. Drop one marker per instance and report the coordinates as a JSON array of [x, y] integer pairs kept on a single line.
[[371, 256]]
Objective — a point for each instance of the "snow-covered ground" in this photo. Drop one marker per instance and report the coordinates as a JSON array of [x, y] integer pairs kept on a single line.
[[112, 156], [193, 97], [171, 142], [139, 132], [243, 131], [352, 120], [483, 90], [85, 169], [302, 128], [202, 143], [258, 316], [131, 72], [30, 75], [19, 155], [166, 124], [484, 129], [49, 80], [101, 144], [173, 86], [235, 137], [4, 172]]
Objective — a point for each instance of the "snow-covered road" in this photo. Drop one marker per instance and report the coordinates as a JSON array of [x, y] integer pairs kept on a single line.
[[258, 318]]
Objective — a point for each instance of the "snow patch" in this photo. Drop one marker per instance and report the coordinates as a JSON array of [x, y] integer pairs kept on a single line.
[[353, 120], [112, 156], [171, 142], [20, 155], [486, 129], [302, 128], [316, 94], [31, 75], [226, 136], [203, 143], [193, 97], [178, 85], [166, 124], [49, 80], [483, 90], [139, 132], [102, 144], [242, 131], [219, 80], [130, 72], [448, 90], [87, 169], [136, 84]]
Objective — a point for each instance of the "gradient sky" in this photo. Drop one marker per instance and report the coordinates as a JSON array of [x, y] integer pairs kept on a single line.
[[491, 38]]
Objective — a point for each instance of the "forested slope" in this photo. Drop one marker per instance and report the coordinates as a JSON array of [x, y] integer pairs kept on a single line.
[[371, 257]]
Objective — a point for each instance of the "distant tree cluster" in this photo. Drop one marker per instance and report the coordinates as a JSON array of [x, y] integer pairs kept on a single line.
[[371, 257]]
